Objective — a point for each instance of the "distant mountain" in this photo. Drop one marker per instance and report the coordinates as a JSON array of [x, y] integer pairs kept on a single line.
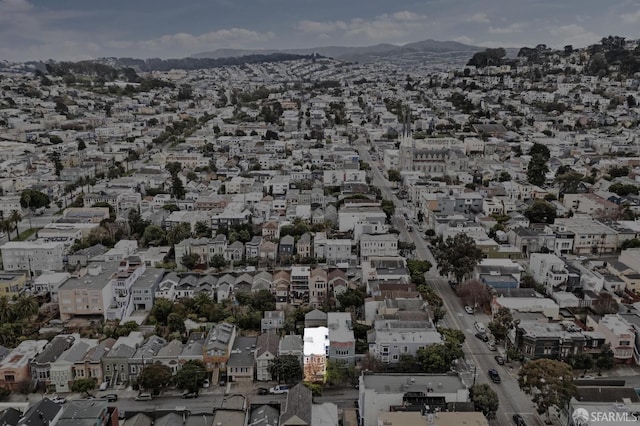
[[414, 52]]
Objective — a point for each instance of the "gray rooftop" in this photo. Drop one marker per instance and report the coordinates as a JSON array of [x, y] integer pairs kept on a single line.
[[291, 343], [415, 382], [97, 277], [242, 351], [82, 412], [299, 402]]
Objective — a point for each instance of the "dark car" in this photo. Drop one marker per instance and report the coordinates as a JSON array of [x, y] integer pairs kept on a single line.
[[499, 360], [189, 395], [518, 420], [111, 397], [263, 391], [494, 376], [482, 336]]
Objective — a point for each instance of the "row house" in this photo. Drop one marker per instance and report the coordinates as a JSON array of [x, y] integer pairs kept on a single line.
[[560, 341], [393, 338], [378, 245], [115, 364], [342, 342], [266, 351], [40, 366], [590, 235], [63, 371], [14, 368]]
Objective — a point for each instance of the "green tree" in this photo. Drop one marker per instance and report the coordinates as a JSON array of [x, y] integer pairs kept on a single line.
[[190, 260], [84, 386], [173, 168], [155, 377], [286, 368], [569, 182], [549, 382], [537, 170], [457, 256], [191, 376], [502, 324], [582, 362], [154, 235], [394, 176], [175, 323], [25, 307], [177, 187], [263, 300], [539, 149], [351, 298], [201, 229], [389, 208], [54, 157], [33, 199], [217, 261], [485, 400], [474, 293], [504, 177], [541, 211], [418, 268], [161, 310], [604, 360], [338, 373], [179, 232]]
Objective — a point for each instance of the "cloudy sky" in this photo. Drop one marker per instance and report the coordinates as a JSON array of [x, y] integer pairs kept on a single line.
[[82, 29]]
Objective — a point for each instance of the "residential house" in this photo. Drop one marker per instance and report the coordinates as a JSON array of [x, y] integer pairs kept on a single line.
[[217, 346], [272, 322], [271, 230], [63, 372], [91, 364], [393, 338], [144, 289], [85, 412], [42, 413], [620, 335], [342, 342], [299, 407], [40, 365], [386, 391], [590, 235], [268, 250], [14, 368], [299, 284], [318, 287], [252, 248], [234, 252], [266, 351], [115, 363], [286, 248], [551, 271], [292, 344], [338, 282], [240, 367], [281, 286], [166, 288], [535, 339], [303, 246], [378, 245], [263, 280], [315, 349], [315, 318], [144, 356], [11, 284], [34, 256]]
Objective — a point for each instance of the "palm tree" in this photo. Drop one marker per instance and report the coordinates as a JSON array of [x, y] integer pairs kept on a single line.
[[6, 225], [6, 315], [16, 218], [26, 307]]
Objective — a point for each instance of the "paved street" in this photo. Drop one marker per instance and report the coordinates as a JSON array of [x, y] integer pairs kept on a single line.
[[477, 353]]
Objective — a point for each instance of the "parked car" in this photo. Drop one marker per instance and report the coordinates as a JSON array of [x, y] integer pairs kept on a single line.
[[494, 376], [189, 395], [58, 399], [103, 386], [482, 337], [519, 420], [206, 383], [263, 391], [468, 309], [499, 360], [279, 389], [492, 346], [480, 327], [110, 397], [144, 397]]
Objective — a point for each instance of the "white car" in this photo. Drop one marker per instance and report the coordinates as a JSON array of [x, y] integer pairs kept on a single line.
[[279, 390], [492, 346], [58, 399], [480, 327], [468, 309], [206, 383]]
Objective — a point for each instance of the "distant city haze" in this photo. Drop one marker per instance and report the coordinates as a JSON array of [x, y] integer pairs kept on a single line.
[[75, 29]]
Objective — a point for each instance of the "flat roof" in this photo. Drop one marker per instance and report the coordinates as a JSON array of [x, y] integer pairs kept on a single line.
[[415, 382], [316, 341]]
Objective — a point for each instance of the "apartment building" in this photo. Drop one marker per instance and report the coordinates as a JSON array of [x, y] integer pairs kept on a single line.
[[33, 256]]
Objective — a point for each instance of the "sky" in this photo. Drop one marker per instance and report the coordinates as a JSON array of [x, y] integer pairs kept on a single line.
[[85, 29]]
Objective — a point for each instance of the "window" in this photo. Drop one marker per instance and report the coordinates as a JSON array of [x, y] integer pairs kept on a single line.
[[625, 343]]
